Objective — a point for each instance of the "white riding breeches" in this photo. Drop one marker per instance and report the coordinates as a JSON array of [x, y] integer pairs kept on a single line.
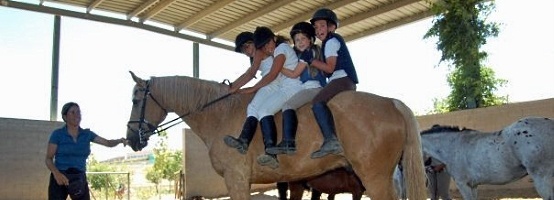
[[271, 98]]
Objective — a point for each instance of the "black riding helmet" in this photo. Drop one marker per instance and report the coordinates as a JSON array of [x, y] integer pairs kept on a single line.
[[242, 38], [262, 35], [327, 14], [305, 28]]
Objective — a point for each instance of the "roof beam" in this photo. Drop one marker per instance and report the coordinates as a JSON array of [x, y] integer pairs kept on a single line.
[[389, 26], [141, 9], [308, 15], [93, 5], [205, 12], [265, 10], [99, 18], [159, 8], [377, 11]]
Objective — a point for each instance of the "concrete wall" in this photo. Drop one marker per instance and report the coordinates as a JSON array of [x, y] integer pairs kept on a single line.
[[200, 177], [22, 151]]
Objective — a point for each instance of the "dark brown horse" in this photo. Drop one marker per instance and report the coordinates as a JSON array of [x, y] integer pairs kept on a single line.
[[341, 180], [373, 130]]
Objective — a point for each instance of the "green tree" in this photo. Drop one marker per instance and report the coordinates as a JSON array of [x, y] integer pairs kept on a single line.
[[462, 29], [105, 183], [167, 163]]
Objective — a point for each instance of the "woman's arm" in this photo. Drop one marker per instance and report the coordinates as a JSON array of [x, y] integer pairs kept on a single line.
[[58, 176], [276, 67], [109, 143]]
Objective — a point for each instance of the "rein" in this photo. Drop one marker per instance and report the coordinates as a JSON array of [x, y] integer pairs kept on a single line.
[[144, 134]]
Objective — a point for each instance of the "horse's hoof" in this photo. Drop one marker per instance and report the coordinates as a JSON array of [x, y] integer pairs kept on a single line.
[[268, 160], [238, 144]]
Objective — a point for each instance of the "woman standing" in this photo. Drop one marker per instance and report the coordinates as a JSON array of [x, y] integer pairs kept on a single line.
[[67, 153]]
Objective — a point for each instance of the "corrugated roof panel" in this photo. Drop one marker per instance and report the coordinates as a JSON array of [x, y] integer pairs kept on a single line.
[[357, 17]]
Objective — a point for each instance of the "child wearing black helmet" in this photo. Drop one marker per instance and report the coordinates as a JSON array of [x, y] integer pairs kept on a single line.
[[244, 43], [303, 35], [272, 91], [342, 77]]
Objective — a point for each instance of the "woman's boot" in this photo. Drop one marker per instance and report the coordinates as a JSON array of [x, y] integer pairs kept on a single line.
[[288, 144], [248, 130], [326, 123]]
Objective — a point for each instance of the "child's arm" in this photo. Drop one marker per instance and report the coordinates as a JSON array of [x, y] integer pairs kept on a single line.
[[306, 57], [328, 66], [296, 72], [249, 74], [276, 67]]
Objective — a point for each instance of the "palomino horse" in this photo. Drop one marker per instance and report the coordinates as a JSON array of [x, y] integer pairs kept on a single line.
[[474, 158], [374, 132]]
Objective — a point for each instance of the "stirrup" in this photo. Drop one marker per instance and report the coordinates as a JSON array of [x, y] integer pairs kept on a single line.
[[238, 144], [282, 148], [268, 160]]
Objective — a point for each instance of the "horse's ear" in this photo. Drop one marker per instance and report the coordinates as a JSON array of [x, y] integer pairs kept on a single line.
[[137, 79]]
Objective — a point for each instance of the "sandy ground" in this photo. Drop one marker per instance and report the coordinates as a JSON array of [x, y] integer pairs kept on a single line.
[[483, 195]]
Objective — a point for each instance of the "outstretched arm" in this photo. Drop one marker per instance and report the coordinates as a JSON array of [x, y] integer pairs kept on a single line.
[[249, 74], [276, 67], [109, 143]]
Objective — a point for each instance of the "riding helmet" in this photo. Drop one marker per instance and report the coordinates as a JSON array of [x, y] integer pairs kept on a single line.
[[262, 35], [305, 28], [242, 38], [326, 14]]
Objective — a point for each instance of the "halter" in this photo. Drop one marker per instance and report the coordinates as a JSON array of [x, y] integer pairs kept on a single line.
[[144, 134]]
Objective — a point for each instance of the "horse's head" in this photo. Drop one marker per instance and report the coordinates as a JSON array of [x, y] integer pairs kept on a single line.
[[146, 114]]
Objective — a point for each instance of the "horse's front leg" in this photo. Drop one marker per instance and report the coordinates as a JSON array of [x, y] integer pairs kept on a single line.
[[237, 185], [468, 192]]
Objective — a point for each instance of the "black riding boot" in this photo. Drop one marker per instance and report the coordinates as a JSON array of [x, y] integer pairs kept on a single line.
[[269, 132], [248, 130], [288, 144], [326, 123]]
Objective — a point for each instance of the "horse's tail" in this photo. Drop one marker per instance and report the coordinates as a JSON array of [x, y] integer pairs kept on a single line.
[[412, 158]]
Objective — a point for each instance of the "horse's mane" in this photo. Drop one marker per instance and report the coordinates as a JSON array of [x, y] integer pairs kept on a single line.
[[196, 92], [441, 128]]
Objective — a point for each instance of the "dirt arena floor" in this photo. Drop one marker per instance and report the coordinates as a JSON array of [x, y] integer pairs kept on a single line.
[[518, 190], [498, 194]]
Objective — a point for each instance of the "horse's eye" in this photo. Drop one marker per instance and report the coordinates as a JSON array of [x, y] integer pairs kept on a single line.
[[135, 101]]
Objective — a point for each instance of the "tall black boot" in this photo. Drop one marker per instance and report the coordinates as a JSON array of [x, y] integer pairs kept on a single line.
[[269, 132], [248, 130], [288, 144], [326, 123]]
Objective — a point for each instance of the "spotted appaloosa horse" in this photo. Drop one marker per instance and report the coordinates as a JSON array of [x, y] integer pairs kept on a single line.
[[373, 130], [525, 147]]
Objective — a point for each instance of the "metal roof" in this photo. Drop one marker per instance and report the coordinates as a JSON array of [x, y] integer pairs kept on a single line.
[[217, 22]]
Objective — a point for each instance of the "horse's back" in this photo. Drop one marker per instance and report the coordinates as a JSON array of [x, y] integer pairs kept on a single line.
[[531, 139]]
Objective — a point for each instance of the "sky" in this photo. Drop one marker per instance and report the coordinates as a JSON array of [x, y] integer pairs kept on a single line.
[[96, 59]]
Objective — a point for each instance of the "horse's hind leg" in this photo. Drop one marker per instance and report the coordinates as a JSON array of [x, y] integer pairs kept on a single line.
[[378, 186]]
